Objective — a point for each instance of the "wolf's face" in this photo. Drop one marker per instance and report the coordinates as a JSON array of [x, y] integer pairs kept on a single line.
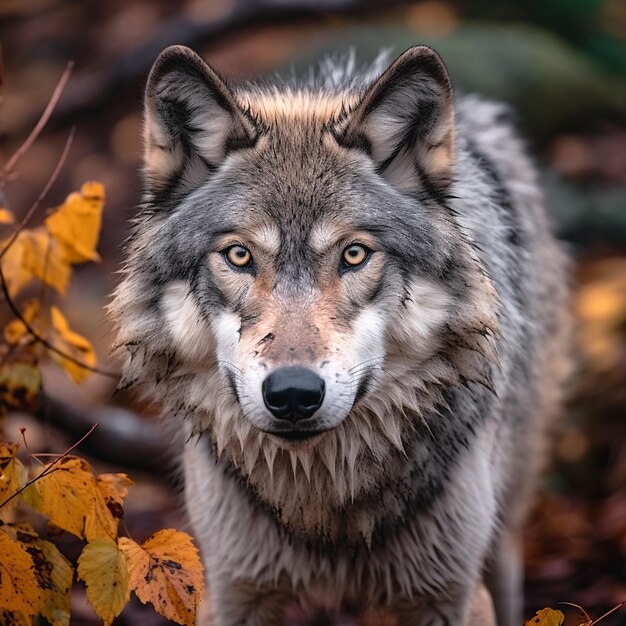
[[298, 280], [296, 264]]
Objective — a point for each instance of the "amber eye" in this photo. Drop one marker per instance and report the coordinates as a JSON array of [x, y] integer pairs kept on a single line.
[[239, 256], [355, 255]]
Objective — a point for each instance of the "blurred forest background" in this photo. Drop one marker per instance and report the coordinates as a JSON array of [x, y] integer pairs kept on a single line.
[[560, 64]]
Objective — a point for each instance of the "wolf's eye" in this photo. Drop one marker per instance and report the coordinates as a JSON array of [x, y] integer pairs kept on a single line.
[[238, 256], [354, 255]]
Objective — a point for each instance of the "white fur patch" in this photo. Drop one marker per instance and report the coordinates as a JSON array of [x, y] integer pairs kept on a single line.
[[191, 335], [421, 319]]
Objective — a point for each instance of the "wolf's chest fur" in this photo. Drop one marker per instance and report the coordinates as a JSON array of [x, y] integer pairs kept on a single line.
[[346, 293]]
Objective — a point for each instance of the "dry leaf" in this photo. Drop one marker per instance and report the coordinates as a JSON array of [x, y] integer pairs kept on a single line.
[[35, 254], [104, 569], [8, 450], [546, 617], [69, 496], [15, 618], [16, 272], [45, 259], [6, 217], [70, 342], [15, 332], [167, 572], [20, 384], [12, 473], [76, 223], [20, 591], [114, 489], [53, 573]]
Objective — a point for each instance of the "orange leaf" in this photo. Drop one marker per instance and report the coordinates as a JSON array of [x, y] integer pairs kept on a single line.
[[114, 489], [20, 592], [69, 342], [167, 572], [14, 618], [76, 223]]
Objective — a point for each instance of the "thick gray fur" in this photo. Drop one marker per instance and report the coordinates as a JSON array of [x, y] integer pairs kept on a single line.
[[443, 356]]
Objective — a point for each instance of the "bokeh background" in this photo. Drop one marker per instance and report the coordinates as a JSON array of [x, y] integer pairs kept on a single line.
[[560, 64]]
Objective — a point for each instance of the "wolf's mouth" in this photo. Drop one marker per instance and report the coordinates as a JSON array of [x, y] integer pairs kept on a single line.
[[297, 435]]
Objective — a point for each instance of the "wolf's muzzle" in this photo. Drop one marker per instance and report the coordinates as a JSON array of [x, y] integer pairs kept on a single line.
[[293, 393]]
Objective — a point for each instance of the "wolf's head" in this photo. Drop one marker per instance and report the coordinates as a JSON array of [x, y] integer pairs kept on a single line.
[[297, 284]]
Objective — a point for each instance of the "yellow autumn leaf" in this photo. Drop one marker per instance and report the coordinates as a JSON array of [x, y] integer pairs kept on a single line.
[[69, 496], [53, 573], [15, 618], [45, 258], [71, 343], [15, 332], [14, 269], [8, 450], [76, 223], [19, 591], [102, 565], [6, 217], [12, 473], [20, 384], [35, 254], [114, 489], [546, 617], [166, 571]]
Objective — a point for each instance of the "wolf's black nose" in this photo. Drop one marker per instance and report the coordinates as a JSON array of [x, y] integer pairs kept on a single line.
[[293, 393]]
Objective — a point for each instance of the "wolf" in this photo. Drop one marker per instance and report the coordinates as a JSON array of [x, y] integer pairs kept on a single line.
[[345, 294]]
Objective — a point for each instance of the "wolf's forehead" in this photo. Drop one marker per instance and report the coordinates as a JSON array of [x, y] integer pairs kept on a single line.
[[284, 106], [278, 236]]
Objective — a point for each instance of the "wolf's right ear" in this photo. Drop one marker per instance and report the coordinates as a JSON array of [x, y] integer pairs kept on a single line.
[[192, 120]]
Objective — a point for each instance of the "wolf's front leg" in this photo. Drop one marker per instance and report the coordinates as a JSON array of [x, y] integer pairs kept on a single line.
[[246, 604]]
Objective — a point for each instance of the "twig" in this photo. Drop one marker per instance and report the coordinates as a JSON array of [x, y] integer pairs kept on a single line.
[[123, 437], [44, 342], [580, 608], [43, 120], [42, 195], [615, 608], [50, 467], [30, 454]]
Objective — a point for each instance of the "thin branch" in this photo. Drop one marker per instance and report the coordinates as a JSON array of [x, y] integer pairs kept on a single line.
[[44, 342], [50, 467], [30, 454], [42, 195], [43, 120], [615, 608]]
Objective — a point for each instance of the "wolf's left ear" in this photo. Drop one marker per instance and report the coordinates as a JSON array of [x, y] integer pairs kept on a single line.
[[192, 120], [405, 122]]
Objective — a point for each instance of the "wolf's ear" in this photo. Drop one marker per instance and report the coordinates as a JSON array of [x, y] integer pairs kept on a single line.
[[191, 120], [405, 122]]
